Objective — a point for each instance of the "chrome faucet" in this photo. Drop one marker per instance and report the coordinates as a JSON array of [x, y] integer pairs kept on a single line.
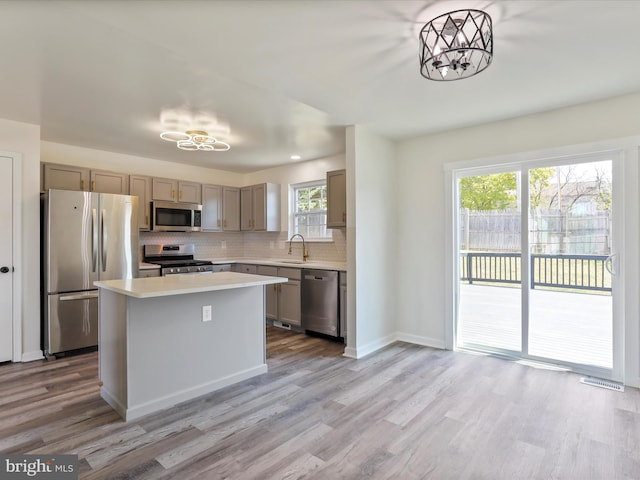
[[305, 255]]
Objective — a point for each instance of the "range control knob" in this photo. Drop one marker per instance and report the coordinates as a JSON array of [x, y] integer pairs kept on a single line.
[[4, 269]]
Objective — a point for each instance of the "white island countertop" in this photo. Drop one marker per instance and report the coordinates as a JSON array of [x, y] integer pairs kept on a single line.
[[183, 284]]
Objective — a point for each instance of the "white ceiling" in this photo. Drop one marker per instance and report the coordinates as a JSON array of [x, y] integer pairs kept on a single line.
[[287, 76]]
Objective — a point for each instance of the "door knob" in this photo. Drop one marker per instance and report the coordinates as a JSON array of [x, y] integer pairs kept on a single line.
[[4, 269]]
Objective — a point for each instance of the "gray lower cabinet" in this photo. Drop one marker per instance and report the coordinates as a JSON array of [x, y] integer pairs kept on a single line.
[[271, 292], [283, 299], [149, 272], [244, 268]]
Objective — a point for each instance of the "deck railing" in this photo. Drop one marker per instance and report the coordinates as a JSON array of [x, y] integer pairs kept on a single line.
[[579, 272]]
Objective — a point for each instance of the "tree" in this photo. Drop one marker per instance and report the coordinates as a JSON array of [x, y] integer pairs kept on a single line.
[[538, 182], [489, 192]]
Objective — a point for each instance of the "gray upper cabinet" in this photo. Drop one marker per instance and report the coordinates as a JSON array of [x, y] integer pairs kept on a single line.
[[260, 207], [211, 208], [141, 186], [337, 199], [64, 177], [169, 190], [164, 189], [189, 192], [230, 209], [109, 182]]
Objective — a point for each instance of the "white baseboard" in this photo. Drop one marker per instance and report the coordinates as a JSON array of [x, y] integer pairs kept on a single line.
[[359, 352], [420, 340], [167, 401], [370, 347], [111, 400], [632, 382], [32, 356], [350, 352]]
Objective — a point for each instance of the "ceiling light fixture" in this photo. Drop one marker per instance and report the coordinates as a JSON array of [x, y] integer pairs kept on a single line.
[[193, 140], [456, 45], [295, 157]]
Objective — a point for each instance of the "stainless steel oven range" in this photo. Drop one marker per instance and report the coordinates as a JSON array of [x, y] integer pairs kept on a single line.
[[175, 259]]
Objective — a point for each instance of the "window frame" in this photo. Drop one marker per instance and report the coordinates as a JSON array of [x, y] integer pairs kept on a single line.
[[293, 213]]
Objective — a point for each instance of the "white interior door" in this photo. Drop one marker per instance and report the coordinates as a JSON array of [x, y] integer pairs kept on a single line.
[[6, 259]]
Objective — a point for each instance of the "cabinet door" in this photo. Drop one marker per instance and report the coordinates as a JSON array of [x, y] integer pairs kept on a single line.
[[164, 189], [289, 302], [211, 208], [109, 182], [270, 291], [259, 207], [230, 209], [246, 208], [336, 199], [189, 192], [141, 187], [65, 177]]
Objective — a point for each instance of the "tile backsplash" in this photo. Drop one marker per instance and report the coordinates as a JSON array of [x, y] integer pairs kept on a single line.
[[262, 245]]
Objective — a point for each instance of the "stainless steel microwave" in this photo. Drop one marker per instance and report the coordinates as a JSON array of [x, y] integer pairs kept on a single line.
[[176, 217]]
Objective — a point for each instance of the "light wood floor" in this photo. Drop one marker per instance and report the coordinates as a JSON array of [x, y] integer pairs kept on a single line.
[[405, 412]]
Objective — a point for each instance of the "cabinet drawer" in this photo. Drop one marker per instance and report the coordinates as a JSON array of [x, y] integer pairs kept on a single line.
[[244, 268], [151, 272], [291, 273]]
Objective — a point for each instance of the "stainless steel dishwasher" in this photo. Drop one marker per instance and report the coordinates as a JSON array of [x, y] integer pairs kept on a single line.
[[319, 301]]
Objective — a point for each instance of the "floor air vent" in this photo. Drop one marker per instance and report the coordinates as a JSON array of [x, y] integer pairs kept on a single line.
[[598, 382], [286, 326]]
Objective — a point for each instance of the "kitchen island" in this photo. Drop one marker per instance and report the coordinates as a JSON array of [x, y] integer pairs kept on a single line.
[[159, 347]]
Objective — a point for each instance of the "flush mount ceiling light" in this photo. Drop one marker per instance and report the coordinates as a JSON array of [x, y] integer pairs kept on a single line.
[[194, 140], [456, 45]]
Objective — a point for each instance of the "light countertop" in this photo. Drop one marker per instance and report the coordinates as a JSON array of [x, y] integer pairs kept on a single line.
[[183, 284], [274, 262]]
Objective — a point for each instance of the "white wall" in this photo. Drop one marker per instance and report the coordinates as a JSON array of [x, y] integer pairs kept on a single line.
[[421, 201], [371, 241], [24, 139]]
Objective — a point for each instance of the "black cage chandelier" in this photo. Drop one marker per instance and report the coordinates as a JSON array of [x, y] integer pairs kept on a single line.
[[456, 45]]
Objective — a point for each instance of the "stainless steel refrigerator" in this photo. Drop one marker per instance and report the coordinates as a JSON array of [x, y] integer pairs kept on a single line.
[[85, 237]]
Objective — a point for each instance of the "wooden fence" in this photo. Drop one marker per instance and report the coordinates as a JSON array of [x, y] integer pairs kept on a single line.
[[551, 232]]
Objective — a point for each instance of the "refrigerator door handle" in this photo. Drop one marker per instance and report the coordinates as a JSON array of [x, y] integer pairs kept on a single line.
[[78, 296], [104, 241], [94, 239]]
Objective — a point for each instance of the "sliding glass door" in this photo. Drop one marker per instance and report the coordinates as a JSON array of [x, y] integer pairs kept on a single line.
[[536, 274]]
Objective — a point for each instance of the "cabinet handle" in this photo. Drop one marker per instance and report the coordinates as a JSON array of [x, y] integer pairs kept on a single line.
[[93, 185], [173, 194], [344, 216], [224, 223], [81, 184], [180, 195]]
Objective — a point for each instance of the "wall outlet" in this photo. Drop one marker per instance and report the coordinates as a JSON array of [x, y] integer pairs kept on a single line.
[[206, 313], [223, 244]]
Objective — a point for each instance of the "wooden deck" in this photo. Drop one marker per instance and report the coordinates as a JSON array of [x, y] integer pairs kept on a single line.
[[569, 327]]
